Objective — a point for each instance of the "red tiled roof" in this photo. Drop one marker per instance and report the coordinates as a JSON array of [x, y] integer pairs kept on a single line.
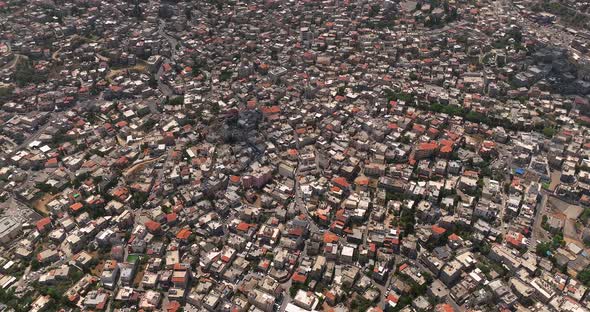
[[402, 267], [330, 295], [152, 226], [340, 181], [268, 110], [372, 247], [427, 146], [446, 149], [438, 230], [52, 161], [514, 239], [296, 231], [444, 307], [330, 237], [76, 206], [171, 217], [243, 226], [183, 234], [362, 181], [173, 306], [299, 278], [393, 298], [454, 237], [42, 223]]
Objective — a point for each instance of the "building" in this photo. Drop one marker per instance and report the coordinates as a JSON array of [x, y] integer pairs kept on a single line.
[[10, 228]]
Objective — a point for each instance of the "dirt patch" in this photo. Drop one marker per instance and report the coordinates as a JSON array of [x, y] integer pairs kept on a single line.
[[555, 180], [121, 141], [139, 277], [41, 205], [138, 166], [569, 210], [138, 68], [97, 270], [569, 229], [573, 240]]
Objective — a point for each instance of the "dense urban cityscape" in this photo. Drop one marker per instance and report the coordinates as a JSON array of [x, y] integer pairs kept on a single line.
[[295, 155]]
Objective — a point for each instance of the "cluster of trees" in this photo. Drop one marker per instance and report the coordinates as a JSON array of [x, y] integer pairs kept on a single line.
[[218, 3], [433, 21], [179, 100], [585, 216], [5, 93], [225, 75], [137, 11], [514, 33], [295, 287], [549, 131], [360, 304], [25, 74], [544, 249], [399, 96], [46, 188], [478, 117], [454, 110], [375, 8], [407, 217], [138, 199], [569, 16], [416, 290], [584, 277], [8, 298], [215, 108], [199, 65]]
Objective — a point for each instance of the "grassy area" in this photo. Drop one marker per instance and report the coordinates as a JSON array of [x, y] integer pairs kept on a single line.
[[132, 258], [488, 266]]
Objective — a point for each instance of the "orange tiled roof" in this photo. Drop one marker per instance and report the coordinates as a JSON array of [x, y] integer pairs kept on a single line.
[[183, 234], [438, 230], [330, 237]]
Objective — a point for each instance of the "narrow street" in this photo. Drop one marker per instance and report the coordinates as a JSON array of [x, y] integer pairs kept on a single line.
[[164, 88], [537, 225]]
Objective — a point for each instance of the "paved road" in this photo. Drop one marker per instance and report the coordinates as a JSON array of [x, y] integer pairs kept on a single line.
[[299, 198], [37, 133], [171, 40], [164, 88], [54, 117], [537, 228]]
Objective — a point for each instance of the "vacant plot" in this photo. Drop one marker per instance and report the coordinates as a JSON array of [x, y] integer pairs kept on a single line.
[[569, 210], [97, 270], [41, 205], [138, 68]]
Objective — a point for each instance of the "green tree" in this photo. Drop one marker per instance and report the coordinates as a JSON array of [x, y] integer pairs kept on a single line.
[[584, 277], [360, 304], [24, 73], [225, 75], [215, 108], [179, 100], [549, 131], [35, 265], [6, 92], [543, 249]]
